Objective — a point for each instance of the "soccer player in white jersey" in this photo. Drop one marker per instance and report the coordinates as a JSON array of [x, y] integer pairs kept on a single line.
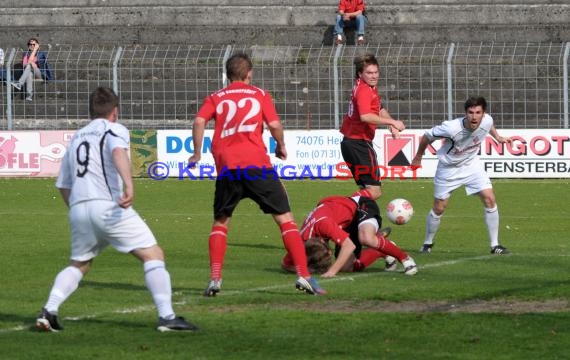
[[96, 184], [459, 165]]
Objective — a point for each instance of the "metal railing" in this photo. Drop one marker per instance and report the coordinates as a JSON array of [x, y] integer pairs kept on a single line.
[[422, 84]]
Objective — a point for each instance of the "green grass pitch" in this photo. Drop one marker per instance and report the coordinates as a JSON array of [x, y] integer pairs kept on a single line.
[[463, 304]]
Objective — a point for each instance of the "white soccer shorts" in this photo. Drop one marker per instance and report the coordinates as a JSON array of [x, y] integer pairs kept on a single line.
[[95, 224], [449, 178]]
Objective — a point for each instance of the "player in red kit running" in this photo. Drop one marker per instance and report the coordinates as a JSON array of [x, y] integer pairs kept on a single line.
[[240, 111], [351, 222], [365, 113]]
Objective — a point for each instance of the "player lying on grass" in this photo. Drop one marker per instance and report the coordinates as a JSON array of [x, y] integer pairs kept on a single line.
[[352, 222]]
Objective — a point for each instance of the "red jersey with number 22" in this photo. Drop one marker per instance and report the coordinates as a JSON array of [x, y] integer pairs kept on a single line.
[[239, 111]]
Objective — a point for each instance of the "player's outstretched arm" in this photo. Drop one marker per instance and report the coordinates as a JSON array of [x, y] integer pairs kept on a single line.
[[346, 250], [424, 142], [493, 132], [383, 119]]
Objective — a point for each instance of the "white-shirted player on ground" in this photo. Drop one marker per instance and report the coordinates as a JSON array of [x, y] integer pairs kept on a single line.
[[95, 182], [459, 165]]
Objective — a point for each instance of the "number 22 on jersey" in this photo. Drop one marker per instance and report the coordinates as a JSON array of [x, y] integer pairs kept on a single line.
[[232, 123]]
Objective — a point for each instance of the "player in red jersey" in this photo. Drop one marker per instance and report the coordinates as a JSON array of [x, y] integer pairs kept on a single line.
[[365, 113], [351, 222], [240, 111]]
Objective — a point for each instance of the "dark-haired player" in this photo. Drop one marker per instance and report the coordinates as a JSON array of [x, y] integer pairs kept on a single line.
[[458, 165]]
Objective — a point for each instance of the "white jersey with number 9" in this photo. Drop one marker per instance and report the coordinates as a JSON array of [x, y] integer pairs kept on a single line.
[[87, 168]]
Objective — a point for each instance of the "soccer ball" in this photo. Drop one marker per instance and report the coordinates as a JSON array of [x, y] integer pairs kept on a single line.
[[399, 211]]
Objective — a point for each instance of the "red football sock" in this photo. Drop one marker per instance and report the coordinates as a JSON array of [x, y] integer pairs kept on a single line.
[[217, 243], [295, 247], [389, 248], [287, 260], [369, 256], [362, 192]]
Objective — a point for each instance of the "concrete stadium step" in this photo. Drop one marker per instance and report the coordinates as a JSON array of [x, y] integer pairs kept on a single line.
[[284, 15], [291, 22], [217, 3]]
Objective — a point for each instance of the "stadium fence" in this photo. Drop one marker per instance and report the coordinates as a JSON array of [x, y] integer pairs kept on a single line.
[[162, 86]]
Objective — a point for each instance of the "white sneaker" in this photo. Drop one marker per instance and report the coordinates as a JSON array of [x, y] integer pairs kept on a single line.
[[214, 287], [310, 286], [360, 40], [391, 263], [338, 39], [410, 267], [16, 85]]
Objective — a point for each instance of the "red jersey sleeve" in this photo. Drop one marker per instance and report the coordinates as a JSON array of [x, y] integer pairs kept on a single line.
[[365, 101], [208, 109], [268, 109]]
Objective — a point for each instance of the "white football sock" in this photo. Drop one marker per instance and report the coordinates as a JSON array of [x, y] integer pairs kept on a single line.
[[157, 281], [432, 225], [65, 283], [492, 221]]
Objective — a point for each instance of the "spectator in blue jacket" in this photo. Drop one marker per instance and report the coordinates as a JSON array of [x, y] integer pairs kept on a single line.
[[35, 66]]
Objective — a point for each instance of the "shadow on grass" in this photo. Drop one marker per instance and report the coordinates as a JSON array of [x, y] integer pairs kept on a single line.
[[18, 318], [28, 322], [257, 246], [133, 287], [113, 285]]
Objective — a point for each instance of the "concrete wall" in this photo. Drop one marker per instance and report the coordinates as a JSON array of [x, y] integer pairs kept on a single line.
[[277, 22], [270, 22]]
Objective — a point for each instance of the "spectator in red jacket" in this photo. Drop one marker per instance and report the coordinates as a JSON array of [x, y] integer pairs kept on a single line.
[[350, 14]]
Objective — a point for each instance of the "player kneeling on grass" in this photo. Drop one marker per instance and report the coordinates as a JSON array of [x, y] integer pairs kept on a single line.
[[95, 182], [352, 222], [320, 257]]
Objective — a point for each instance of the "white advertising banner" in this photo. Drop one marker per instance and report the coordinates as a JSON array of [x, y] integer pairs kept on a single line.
[[316, 154], [533, 153], [32, 153]]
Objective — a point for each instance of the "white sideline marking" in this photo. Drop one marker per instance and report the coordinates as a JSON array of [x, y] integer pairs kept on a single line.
[[16, 328], [365, 274], [185, 301]]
